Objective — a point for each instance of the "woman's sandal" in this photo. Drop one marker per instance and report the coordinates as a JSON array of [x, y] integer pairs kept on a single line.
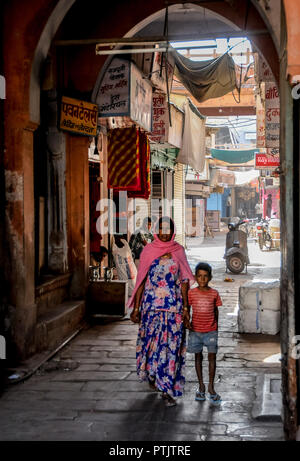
[[200, 396], [169, 401], [215, 398], [151, 383]]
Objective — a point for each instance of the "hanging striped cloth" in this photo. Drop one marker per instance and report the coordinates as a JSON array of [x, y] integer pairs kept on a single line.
[[145, 189], [124, 159]]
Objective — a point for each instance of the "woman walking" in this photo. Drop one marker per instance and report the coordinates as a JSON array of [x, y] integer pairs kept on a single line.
[[161, 308]]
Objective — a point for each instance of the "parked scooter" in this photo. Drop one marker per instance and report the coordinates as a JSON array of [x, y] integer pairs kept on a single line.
[[236, 252], [263, 235]]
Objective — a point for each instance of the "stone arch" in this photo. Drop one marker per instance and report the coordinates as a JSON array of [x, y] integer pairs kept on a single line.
[[57, 16], [40, 55], [160, 13]]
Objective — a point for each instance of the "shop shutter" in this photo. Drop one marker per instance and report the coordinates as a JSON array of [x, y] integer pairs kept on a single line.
[[179, 208]]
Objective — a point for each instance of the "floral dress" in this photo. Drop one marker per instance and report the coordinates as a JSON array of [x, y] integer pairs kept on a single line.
[[161, 343]]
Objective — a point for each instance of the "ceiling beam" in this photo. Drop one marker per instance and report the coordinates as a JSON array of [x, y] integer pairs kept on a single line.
[[161, 39]]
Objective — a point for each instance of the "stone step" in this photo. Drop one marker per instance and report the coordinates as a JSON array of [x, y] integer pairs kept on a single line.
[[53, 291], [268, 403], [54, 326]]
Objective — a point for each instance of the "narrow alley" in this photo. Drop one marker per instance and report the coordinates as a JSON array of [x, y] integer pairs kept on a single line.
[[138, 139], [90, 390]]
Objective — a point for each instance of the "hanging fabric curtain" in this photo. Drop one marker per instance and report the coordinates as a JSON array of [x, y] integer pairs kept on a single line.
[[144, 149], [234, 155], [206, 79], [124, 159], [192, 152]]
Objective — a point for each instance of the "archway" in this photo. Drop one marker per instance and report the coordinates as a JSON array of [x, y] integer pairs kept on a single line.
[[268, 49]]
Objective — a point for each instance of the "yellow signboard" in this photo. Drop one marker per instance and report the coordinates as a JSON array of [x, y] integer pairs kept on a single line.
[[78, 116]]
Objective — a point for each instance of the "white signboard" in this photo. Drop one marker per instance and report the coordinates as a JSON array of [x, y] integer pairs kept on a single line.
[[113, 98], [264, 71], [140, 99], [272, 106], [160, 118], [260, 122], [125, 93], [162, 133]]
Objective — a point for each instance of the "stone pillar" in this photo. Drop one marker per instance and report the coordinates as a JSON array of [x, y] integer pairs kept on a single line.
[[19, 217], [57, 210]]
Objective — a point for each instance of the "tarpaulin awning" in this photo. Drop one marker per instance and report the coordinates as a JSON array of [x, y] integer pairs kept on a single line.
[[206, 79], [245, 177], [234, 155]]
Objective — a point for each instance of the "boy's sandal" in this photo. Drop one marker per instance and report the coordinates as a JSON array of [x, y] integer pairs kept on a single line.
[[200, 396], [215, 398]]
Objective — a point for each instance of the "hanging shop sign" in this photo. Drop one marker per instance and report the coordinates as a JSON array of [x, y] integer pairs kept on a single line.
[[162, 132], [140, 99], [78, 116], [125, 93], [197, 189], [158, 74], [272, 153], [264, 71], [260, 120], [272, 106], [160, 118], [266, 162], [196, 176]]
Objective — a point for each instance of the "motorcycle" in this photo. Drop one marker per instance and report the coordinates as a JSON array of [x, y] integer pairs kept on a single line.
[[263, 235], [236, 251]]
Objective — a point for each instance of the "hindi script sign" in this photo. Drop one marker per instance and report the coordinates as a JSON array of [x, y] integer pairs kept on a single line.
[[78, 116]]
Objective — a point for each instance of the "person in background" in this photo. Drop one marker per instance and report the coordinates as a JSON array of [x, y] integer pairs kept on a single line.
[[97, 257], [228, 206], [140, 238], [259, 210], [269, 206]]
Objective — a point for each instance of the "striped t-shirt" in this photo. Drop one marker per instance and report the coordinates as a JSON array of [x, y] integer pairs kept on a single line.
[[203, 309]]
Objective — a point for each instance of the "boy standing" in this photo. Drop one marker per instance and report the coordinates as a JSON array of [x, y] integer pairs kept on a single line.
[[204, 302]]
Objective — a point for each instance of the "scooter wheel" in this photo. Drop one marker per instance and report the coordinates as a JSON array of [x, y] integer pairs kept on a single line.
[[235, 264], [268, 242], [261, 243]]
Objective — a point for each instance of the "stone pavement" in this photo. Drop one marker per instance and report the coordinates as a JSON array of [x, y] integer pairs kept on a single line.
[[89, 391]]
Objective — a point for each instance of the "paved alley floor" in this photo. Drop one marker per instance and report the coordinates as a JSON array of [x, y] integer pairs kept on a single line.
[[90, 391]]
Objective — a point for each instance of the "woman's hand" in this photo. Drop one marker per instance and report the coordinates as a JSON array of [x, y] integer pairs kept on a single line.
[[186, 319], [135, 316]]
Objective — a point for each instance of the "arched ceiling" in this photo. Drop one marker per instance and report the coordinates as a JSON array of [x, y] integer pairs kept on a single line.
[[185, 19]]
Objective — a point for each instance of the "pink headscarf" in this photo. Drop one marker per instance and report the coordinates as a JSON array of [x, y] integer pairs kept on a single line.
[[153, 251]]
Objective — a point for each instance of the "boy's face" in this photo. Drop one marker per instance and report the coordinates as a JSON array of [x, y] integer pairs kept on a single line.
[[202, 278]]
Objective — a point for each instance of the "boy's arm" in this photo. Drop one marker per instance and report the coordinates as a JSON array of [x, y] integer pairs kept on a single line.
[[218, 302], [217, 314]]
